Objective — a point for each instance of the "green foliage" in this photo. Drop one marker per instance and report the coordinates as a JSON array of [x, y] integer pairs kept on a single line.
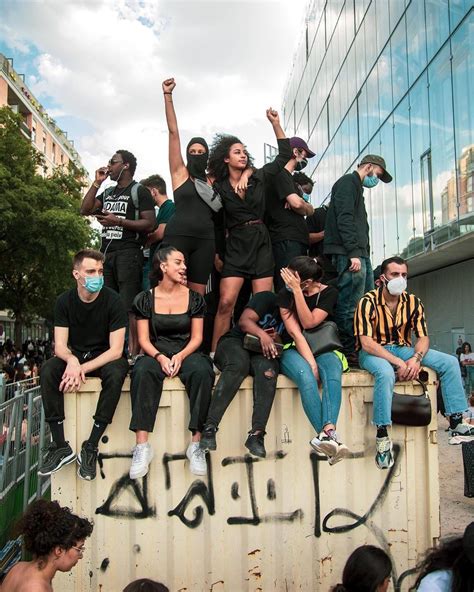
[[40, 225]]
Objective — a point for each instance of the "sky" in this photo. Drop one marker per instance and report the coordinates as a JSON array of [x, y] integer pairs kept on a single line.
[[97, 67]]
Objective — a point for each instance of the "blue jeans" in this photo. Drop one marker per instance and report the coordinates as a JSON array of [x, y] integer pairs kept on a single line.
[[445, 365], [320, 411], [352, 286]]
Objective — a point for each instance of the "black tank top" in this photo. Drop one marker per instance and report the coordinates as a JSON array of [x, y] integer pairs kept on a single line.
[[192, 216]]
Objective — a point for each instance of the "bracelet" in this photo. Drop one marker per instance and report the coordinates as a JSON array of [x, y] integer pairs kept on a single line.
[[96, 185], [167, 93], [418, 356], [157, 355]]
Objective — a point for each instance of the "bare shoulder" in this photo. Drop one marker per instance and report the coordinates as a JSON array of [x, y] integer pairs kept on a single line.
[[22, 579]]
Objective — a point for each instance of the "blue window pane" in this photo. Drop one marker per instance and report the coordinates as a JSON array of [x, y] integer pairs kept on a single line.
[[442, 140], [399, 62], [437, 24], [416, 37], [363, 117], [387, 190], [383, 24], [373, 102], [463, 89], [396, 10], [457, 11], [420, 144], [384, 68], [403, 179]]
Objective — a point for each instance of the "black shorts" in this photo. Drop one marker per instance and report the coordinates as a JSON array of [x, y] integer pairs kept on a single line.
[[123, 271], [199, 254]]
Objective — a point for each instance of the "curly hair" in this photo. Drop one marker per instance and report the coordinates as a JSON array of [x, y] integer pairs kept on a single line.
[[450, 555], [302, 179], [219, 150], [46, 525]]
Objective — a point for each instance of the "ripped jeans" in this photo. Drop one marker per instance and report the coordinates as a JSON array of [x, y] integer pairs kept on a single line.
[[319, 410], [235, 363]]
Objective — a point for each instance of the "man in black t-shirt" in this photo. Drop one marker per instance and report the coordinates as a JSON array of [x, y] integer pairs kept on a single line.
[[260, 318], [285, 211], [127, 215], [89, 335]]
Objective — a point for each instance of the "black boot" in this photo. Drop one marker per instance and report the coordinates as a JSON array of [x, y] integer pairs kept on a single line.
[[208, 438], [255, 444]]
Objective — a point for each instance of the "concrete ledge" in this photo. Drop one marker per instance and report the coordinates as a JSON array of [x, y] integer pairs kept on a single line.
[[287, 522]]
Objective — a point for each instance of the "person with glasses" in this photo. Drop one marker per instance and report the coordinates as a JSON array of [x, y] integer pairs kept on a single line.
[[126, 212], [55, 538]]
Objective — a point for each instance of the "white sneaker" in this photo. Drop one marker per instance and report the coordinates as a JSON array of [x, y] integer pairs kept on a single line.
[[142, 455], [197, 459]]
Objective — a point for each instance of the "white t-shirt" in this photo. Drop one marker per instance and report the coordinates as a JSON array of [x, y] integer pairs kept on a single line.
[[467, 357], [437, 581]]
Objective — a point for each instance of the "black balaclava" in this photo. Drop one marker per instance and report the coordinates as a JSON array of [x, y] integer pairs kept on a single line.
[[197, 163]]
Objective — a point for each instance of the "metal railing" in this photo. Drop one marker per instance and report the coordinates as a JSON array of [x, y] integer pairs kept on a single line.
[[22, 435], [9, 391]]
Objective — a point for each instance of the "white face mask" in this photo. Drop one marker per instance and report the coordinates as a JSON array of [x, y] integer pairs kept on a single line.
[[397, 285]]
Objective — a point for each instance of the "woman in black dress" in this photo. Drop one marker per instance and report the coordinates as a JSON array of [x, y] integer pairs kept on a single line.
[[248, 251], [191, 229], [170, 326]]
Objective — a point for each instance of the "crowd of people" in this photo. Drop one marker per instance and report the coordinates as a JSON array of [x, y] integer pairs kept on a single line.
[[312, 307], [56, 539], [24, 362]]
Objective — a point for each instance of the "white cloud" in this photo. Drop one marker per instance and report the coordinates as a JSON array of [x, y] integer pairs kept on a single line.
[[103, 62]]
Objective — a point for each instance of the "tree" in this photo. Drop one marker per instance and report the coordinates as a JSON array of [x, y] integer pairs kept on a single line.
[[40, 226]]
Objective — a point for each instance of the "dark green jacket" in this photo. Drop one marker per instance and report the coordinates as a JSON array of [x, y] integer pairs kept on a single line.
[[346, 231]]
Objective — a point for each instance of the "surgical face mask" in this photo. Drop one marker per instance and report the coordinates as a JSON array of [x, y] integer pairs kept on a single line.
[[307, 197], [396, 286], [93, 284], [370, 182]]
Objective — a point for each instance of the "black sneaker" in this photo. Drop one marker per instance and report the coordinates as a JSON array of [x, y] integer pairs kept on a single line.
[[208, 438], [54, 458], [255, 444], [87, 461]]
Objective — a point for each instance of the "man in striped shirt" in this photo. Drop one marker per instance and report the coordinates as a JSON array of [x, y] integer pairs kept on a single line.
[[383, 324]]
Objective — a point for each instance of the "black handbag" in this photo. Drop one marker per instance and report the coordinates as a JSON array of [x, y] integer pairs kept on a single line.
[[412, 410], [323, 338]]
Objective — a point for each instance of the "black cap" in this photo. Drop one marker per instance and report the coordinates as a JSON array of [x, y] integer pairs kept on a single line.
[[301, 145], [378, 160]]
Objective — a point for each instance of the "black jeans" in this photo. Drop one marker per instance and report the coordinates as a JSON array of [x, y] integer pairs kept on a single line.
[[235, 364], [112, 376], [283, 253], [196, 374]]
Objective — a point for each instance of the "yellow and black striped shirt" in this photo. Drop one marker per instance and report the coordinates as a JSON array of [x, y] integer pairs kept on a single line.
[[374, 319]]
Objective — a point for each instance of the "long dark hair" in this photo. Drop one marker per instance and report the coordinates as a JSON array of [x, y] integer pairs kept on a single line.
[[219, 150], [468, 345], [455, 554], [160, 256], [366, 568]]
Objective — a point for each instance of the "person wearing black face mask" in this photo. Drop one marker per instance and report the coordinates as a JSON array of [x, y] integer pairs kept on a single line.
[[191, 229], [285, 211]]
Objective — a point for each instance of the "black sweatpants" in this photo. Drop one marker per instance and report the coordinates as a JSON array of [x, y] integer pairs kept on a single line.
[[196, 374], [112, 376], [235, 364]]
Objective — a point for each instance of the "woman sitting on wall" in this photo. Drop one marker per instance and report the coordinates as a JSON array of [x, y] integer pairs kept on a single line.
[[55, 537], [305, 303], [170, 327]]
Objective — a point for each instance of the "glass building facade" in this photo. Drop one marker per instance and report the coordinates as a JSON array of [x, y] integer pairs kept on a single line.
[[395, 78]]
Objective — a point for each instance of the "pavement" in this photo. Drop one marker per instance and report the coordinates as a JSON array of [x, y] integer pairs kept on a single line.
[[456, 510]]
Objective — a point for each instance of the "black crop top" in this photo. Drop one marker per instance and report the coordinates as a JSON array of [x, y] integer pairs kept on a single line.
[[169, 333]]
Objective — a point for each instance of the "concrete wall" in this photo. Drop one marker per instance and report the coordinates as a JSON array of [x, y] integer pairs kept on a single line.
[[448, 296], [287, 523]]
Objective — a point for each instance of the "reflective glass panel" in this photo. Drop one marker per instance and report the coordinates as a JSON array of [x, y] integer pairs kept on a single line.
[[399, 62], [403, 180], [442, 139], [387, 191], [463, 88], [416, 37], [437, 25]]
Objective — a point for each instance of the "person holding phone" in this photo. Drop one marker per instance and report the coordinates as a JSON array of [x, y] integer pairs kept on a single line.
[[170, 320], [260, 319], [127, 214]]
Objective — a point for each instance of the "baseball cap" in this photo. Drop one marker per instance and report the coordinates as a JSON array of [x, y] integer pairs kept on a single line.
[[378, 160], [301, 145]]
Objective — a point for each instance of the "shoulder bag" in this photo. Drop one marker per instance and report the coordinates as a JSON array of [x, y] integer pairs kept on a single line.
[[412, 410], [323, 338]]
